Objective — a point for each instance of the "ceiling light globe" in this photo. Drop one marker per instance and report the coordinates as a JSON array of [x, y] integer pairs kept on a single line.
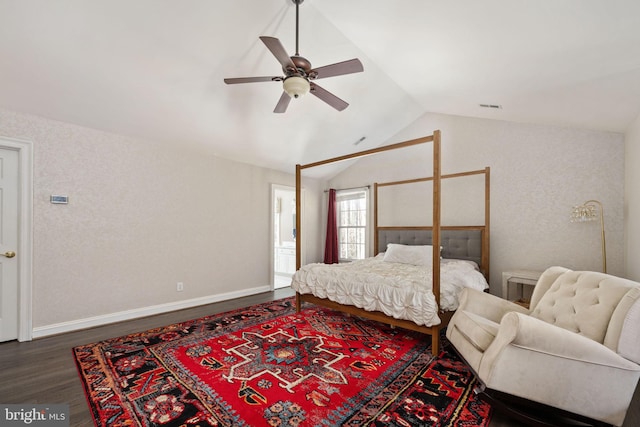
[[296, 86]]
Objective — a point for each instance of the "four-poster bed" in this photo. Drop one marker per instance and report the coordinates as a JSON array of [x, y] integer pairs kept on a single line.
[[467, 243]]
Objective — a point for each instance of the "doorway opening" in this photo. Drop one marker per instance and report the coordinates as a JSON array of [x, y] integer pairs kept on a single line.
[[283, 201]]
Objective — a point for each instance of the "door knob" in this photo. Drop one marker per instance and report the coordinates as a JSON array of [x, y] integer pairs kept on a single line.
[[9, 254]]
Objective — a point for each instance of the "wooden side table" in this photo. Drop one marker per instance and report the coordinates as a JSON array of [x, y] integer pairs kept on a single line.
[[520, 278]]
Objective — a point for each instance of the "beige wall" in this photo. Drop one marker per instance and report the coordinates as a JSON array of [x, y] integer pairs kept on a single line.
[[141, 218], [537, 174], [632, 201]]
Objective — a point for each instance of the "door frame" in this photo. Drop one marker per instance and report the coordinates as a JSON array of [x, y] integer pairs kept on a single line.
[[274, 188], [25, 233]]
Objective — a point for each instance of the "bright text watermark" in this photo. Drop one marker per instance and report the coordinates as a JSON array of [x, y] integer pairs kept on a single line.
[[54, 415]]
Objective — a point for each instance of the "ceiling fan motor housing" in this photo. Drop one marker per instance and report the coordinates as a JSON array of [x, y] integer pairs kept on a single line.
[[303, 66]]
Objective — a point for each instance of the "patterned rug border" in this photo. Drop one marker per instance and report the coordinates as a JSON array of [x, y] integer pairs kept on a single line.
[[90, 368]]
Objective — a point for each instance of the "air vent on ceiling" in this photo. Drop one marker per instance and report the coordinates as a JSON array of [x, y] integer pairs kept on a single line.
[[360, 140], [495, 106]]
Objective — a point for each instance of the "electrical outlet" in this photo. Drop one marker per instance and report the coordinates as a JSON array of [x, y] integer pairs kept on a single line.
[[180, 287]]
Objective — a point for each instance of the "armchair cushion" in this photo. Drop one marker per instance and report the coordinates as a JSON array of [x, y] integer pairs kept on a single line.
[[581, 302]]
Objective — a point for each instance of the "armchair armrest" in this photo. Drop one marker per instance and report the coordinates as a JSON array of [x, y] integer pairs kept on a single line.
[[487, 305], [536, 335]]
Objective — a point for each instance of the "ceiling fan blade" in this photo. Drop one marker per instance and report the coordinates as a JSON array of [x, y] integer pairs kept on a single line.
[[252, 79], [338, 69], [283, 103], [276, 48], [328, 97]]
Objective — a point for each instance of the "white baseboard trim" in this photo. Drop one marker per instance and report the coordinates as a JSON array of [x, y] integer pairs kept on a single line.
[[105, 319]]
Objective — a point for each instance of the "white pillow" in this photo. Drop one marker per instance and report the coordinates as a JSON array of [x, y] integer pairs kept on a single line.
[[409, 254]]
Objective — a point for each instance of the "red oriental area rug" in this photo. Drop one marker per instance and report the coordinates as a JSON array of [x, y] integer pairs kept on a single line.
[[268, 366]]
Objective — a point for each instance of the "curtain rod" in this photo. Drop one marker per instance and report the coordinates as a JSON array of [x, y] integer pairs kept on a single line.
[[352, 188]]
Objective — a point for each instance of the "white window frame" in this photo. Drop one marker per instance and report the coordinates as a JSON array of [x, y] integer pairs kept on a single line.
[[362, 230]]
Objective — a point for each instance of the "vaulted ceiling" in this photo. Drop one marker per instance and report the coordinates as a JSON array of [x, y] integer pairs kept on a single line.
[[154, 69]]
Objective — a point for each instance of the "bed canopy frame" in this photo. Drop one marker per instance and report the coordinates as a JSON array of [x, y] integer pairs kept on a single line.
[[454, 235], [434, 235]]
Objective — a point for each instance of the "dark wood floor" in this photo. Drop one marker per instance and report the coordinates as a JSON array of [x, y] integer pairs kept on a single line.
[[43, 371]]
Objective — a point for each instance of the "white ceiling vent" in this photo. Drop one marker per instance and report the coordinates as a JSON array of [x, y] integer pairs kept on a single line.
[[494, 106]]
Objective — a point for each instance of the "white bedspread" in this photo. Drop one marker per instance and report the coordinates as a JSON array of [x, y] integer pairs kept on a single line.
[[402, 291]]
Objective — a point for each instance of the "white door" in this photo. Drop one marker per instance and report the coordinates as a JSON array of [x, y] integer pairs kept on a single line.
[[8, 244]]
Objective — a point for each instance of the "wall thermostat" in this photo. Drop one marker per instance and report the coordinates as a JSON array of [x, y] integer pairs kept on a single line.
[[59, 199]]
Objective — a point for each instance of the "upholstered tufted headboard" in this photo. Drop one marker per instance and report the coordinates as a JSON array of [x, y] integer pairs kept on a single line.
[[466, 243]]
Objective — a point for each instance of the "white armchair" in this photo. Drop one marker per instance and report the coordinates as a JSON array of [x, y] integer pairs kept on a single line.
[[576, 349]]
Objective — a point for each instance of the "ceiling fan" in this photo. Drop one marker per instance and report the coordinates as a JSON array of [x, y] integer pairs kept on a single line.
[[299, 77]]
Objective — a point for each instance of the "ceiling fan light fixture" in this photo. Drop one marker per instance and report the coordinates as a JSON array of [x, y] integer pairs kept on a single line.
[[296, 86], [298, 73]]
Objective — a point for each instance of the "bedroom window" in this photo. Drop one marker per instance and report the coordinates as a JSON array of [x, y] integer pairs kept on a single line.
[[351, 212]]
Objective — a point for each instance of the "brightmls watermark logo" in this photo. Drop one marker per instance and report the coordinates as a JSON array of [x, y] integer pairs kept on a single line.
[[34, 415]]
